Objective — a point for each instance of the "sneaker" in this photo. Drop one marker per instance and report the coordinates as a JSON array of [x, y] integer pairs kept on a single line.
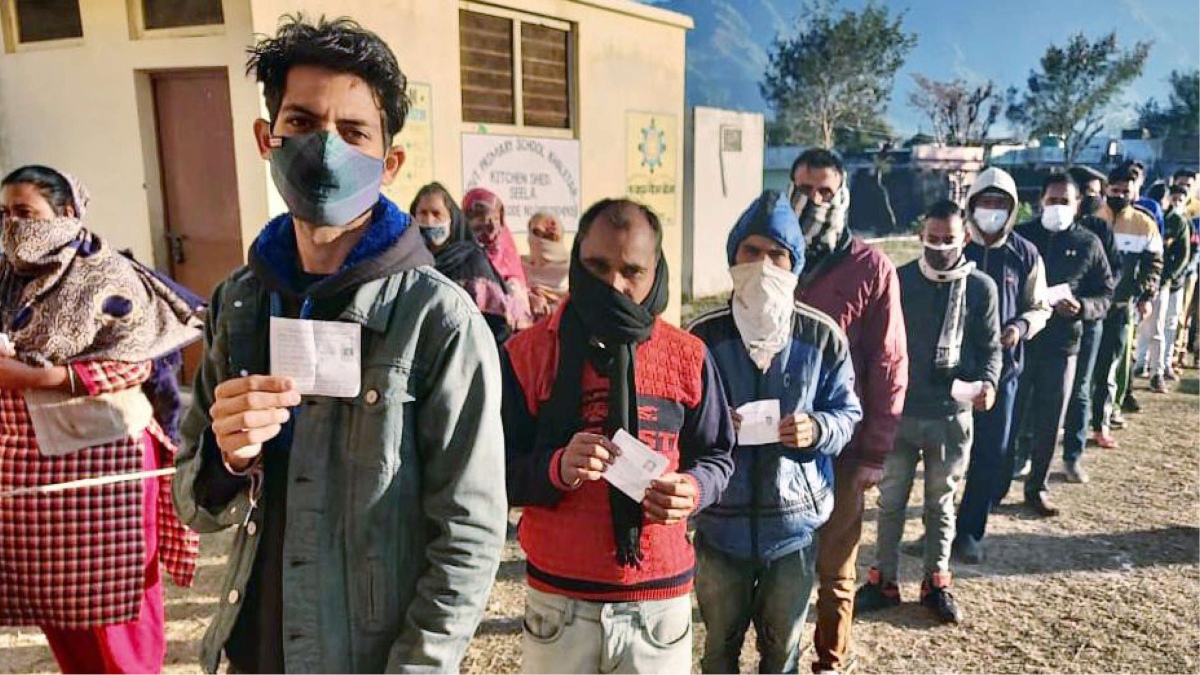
[[1157, 385], [1041, 505], [1169, 374], [1075, 472], [1117, 421], [936, 596], [1130, 404], [1103, 440], [1141, 371], [1022, 470], [967, 550], [876, 594]]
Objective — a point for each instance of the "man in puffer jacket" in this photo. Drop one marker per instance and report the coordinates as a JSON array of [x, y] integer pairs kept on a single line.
[[755, 549]]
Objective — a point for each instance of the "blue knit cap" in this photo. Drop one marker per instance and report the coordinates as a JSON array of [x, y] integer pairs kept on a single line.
[[772, 216]]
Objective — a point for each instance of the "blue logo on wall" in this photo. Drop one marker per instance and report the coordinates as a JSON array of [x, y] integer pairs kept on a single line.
[[653, 146]]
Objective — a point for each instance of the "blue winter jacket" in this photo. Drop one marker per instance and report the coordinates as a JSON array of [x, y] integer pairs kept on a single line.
[[778, 496]]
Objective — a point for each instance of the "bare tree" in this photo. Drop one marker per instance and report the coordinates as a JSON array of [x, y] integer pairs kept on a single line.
[[959, 113]]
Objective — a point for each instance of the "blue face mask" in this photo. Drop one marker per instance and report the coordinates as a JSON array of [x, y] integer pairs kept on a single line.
[[323, 179]]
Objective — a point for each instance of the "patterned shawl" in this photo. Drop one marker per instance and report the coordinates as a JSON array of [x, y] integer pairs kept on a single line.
[[66, 295]]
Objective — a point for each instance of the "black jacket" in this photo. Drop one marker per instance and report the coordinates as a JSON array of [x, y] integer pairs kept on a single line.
[[924, 303], [1074, 257]]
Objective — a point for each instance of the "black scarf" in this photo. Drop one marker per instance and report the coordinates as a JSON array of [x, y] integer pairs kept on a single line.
[[604, 327]]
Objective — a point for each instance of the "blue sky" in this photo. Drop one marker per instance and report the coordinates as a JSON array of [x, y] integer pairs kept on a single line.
[[1003, 40]]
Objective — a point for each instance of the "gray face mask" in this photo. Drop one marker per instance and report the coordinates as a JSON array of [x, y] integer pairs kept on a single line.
[[323, 179]]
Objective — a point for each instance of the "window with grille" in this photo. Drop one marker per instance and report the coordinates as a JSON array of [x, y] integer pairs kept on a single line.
[[160, 14], [515, 70], [46, 20]]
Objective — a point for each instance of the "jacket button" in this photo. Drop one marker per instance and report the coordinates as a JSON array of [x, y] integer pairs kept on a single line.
[[234, 596], [371, 397], [251, 528], [243, 372], [237, 303]]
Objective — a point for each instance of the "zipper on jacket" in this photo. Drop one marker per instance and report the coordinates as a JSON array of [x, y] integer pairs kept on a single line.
[[755, 477]]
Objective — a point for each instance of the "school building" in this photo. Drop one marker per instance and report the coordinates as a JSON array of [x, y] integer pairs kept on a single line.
[[552, 104]]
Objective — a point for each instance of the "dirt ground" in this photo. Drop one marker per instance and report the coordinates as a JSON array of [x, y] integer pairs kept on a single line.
[[1112, 585]]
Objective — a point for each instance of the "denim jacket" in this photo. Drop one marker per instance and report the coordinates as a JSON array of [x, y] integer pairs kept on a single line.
[[395, 499]]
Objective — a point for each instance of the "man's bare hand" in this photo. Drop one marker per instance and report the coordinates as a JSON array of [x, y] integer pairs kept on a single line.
[[669, 499], [586, 458], [249, 411]]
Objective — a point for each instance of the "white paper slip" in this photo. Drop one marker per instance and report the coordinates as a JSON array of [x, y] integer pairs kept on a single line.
[[321, 356], [1058, 293], [965, 392], [760, 422], [637, 465]]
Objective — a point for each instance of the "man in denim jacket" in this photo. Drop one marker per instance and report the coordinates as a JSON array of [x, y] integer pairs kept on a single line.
[[370, 525]]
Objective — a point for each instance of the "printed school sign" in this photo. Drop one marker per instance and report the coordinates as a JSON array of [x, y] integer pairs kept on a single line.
[[528, 174], [651, 158]]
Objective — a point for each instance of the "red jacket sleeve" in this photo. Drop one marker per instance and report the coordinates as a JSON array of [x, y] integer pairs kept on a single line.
[[881, 365]]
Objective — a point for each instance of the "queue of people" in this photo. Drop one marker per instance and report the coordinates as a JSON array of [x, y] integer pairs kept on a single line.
[[370, 522]]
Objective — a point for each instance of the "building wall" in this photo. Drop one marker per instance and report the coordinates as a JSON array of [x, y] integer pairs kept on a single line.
[[721, 184], [94, 120], [87, 110]]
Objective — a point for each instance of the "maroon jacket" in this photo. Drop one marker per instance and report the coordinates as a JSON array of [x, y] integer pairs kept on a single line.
[[859, 289]]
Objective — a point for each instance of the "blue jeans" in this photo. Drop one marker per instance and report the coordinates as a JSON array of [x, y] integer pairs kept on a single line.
[[1079, 409], [774, 596], [990, 468]]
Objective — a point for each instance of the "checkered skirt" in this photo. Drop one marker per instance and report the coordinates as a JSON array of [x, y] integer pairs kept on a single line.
[[76, 559]]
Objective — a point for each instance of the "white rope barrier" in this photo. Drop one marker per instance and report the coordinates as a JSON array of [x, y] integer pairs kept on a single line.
[[85, 483]]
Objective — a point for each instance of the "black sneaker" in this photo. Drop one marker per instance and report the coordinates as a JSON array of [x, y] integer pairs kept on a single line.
[[938, 599], [1130, 404], [1075, 472], [1040, 504], [1157, 385], [967, 550], [876, 594]]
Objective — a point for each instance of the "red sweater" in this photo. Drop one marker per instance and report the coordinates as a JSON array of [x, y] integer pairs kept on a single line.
[[862, 293], [567, 534]]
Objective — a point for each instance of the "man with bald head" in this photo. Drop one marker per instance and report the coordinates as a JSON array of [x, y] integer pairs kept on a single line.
[[609, 575]]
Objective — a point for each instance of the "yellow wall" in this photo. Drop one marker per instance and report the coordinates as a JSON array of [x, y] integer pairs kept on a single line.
[[87, 110], [630, 57], [78, 107]]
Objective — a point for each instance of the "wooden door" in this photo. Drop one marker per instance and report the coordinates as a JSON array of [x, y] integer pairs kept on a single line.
[[199, 181]]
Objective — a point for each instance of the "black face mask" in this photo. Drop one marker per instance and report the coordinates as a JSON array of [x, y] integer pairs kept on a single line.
[[942, 260], [1117, 204], [1089, 205]]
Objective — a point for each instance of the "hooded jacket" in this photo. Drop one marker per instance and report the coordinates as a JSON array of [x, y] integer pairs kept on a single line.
[[1015, 266], [778, 496]]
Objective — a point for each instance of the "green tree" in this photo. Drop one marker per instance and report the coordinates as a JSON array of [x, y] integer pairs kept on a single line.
[[836, 73], [1181, 116], [1075, 85]]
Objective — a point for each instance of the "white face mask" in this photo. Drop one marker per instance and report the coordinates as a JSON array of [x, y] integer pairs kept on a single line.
[[1057, 217], [990, 221], [763, 305], [436, 234]]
